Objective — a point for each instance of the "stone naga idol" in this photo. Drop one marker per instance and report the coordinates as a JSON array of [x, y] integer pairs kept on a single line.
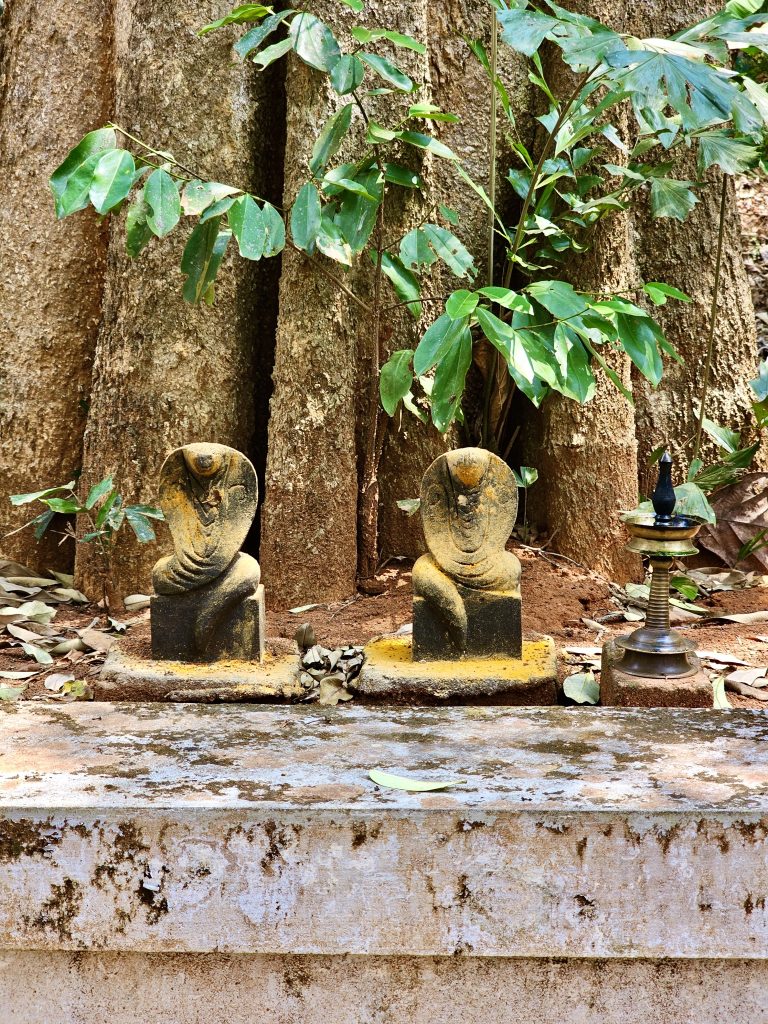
[[209, 602], [467, 589]]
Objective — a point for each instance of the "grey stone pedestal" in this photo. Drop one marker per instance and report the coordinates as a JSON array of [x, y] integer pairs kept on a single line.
[[174, 619]]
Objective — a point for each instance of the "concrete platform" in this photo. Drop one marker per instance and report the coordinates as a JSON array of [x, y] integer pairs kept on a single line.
[[192, 863]]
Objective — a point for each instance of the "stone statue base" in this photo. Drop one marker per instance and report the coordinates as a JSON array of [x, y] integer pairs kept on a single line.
[[126, 676], [390, 673], [174, 618], [494, 628], [621, 690]]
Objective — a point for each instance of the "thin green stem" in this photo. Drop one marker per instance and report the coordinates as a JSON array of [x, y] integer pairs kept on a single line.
[[492, 147], [712, 317]]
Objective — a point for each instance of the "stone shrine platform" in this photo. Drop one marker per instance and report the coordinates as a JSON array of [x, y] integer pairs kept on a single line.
[[190, 863]]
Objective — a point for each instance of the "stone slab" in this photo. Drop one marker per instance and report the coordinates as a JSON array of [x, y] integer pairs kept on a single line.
[[494, 627], [94, 988], [125, 677], [174, 618], [623, 690], [390, 673], [580, 833]]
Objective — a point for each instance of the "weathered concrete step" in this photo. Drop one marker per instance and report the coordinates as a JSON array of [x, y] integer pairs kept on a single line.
[[579, 833]]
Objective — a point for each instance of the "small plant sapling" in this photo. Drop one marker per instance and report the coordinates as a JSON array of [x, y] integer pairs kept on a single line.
[[98, 521]]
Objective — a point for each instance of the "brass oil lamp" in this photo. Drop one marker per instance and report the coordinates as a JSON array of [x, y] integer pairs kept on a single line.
[[655, 650]]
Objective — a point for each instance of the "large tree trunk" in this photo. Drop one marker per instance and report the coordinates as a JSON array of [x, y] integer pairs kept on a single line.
[[326, 372], [684, 255], [590, 454], [56, 86], [167, 373], [586, 455]]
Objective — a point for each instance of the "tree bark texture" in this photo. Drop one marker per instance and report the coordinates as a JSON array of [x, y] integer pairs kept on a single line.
[[683, 254], [593, 455], [55, 85], [167, 373], [586, 455]]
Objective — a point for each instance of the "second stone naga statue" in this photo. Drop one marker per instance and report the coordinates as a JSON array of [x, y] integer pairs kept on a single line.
[[209, 602], [467, 589]]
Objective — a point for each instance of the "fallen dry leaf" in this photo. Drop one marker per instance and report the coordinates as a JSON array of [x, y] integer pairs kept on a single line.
[[742, 512]]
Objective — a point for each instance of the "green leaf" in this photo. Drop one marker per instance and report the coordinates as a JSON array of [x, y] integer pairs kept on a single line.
[[272, 53], [728, 440], [410, 785], [658, 293], [524, 31], [109, 503], [313, 42], [66, 506], [388, 71], [671, 198], [437, 340], [402, 176], [347, 74], [639, 341], [692, 501], [685, 586], [217, 209], [112, 180], [582, 687], [87, 152], [404, 282], [507, 298], [415, 250], [137, 231], [41, 523], [356, 5], [450, 376], [149, 511], [510, 344], [247, 223], [274, 230], [422, 141], [526, 477], [305, 217], [409, 505], [367, 35], [429, 112], [331, 242], [395, 380], [330, 138], [98, 491], [26, 499], [140, 525], [461, 304], [245, 12], [256, 36], [356, 218], [559, 298], [161, 194], [734, 156], [759, 385], [202, 258], [450, 250], [199, 195]]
